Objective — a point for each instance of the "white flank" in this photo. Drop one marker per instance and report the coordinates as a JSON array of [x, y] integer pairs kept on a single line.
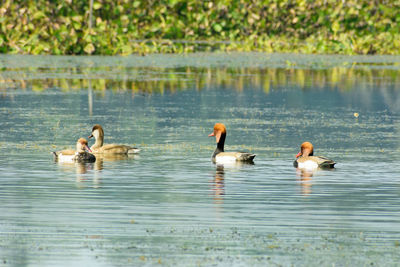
[[66, 158], [308, 165], [225, 159]]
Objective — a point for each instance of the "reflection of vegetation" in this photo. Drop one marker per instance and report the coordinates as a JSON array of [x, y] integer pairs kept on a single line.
[[125, 27], [160, 80]]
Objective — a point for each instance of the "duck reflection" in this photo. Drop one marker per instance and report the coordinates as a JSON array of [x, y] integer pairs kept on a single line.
[[114, 157], [219, 184], [82, 170], [78, 167], [305, 180], [102, 158]]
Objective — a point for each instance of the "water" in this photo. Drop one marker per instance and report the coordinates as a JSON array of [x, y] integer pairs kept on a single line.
[[170, 205]]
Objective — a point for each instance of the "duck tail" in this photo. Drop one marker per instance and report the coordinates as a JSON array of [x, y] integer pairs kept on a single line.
[[247, 157], [133, 150]]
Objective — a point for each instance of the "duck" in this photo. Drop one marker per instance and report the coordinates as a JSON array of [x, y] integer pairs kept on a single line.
[[99, 148], [305, 159], [220, 156], [79, 155]]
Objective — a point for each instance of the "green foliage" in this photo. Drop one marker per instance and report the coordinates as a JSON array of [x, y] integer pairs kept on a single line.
[[125, 27]]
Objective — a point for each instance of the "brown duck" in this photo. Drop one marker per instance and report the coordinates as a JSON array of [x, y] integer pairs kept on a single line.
[[100, 148]]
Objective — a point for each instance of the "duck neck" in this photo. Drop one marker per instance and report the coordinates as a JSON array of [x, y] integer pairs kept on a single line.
[[220, 145], [307, 152], [99, 142]]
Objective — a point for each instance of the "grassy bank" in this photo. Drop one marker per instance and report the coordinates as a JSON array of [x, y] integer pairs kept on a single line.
[[176, 26]]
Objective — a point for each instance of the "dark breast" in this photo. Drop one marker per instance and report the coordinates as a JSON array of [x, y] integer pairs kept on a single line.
[[85, 157]]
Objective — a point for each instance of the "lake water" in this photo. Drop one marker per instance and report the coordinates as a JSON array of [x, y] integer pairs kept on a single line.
[[170, 205]]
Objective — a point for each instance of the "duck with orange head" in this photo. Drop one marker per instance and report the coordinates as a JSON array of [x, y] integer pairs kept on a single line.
[[305, 159], [220, 156]]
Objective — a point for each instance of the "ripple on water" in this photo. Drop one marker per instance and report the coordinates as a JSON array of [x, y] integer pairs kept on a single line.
[[170, 205]]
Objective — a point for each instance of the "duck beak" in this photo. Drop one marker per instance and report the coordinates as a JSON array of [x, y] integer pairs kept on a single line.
[[217, 136], [298, 154], [88, 149], [90, 136]]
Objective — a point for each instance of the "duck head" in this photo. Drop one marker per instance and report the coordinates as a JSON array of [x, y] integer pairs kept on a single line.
[[306, 149], [219, 130], [97, 133], [82, 145]]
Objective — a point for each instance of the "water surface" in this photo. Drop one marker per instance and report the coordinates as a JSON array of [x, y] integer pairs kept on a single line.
[[170, 205]]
